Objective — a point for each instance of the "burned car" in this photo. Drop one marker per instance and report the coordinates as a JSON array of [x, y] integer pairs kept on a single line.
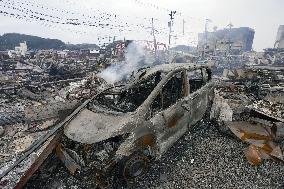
[[124, 127]]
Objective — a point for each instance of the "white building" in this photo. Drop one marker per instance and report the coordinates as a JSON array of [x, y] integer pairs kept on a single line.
[[63, 54], [22, 49]]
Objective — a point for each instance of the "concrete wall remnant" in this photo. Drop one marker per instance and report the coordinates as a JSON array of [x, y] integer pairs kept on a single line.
[[239, 38], [280, 37]]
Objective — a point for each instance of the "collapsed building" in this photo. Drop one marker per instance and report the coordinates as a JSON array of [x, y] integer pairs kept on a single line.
[[279, 43], [226, 41], [28, 113], [250, 105], [118, 49]]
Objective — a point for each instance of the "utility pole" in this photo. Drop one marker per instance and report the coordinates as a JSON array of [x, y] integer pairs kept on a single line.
[[230, 40], [206, 31], [155, 42], [170, 24], [206, 35], [183, 23]]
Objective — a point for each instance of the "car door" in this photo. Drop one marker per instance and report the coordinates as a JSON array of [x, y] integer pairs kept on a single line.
[[197, 102], [172, 114]]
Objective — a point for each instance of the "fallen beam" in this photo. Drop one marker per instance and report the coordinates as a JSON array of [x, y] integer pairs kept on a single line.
[[46, 152]]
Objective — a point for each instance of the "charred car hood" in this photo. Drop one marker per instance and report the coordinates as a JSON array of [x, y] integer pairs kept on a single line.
[[91, 127]]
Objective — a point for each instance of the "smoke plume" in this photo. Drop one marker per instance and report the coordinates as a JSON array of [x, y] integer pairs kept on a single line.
[[135, 57]]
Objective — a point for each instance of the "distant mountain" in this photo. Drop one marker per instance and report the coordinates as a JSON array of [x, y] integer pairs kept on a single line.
[[184, 48], [10, 40]]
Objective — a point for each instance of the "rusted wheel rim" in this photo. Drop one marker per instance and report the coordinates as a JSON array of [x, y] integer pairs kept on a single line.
[[135, 167]]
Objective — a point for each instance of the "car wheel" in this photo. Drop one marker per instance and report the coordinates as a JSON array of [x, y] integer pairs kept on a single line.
[[135, 166]]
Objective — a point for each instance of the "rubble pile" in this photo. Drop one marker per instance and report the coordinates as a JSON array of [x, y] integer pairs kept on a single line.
[[28, 113], [253, 112], [58, 108], [247, 103], [202, 158], [270, 108]]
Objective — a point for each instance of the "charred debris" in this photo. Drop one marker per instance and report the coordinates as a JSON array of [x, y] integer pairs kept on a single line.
[[61, 104]]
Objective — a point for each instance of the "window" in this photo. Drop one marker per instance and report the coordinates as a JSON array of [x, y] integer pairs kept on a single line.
[[170, 94], [130, 99], [196, 79], [173, 91]]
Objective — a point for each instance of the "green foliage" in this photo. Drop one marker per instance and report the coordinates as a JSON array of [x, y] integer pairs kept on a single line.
[[10, 40]]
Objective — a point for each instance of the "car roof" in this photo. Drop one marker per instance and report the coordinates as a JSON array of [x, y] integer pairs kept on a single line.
[[164, 68]]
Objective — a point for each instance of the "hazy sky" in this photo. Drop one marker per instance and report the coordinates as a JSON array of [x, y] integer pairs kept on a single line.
[[262, 15]]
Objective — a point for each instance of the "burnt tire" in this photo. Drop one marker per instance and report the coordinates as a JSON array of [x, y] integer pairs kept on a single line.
[[133, 167]]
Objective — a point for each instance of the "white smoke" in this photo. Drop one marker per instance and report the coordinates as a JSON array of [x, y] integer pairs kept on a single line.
[[135, 57]]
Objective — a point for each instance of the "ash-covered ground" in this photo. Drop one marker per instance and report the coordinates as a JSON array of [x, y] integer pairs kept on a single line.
[[203, 158]]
